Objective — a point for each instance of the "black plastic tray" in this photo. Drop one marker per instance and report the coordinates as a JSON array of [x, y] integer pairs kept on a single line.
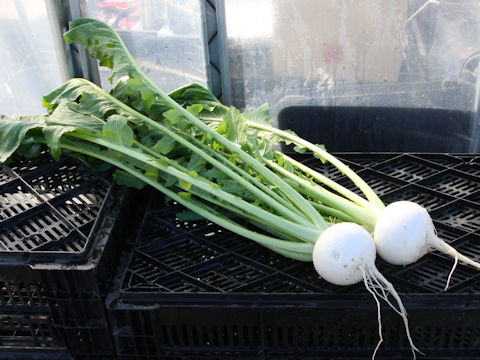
[[60, 236], [188, 289]]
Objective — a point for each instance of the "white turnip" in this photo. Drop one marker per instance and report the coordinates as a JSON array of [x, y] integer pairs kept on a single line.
[[344, 255], [404, 232]]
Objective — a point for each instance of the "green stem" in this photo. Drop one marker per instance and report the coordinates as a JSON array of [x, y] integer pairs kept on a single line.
[[256, 182], [300, 251], [332, 184], [318, 193], [194, 145], [344, 169], [264, 224], [296, 198], [327, 210], [289, 227]]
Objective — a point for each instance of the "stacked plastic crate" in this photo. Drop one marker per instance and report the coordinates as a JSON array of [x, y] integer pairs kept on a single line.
[[191, 290], [59, 241]]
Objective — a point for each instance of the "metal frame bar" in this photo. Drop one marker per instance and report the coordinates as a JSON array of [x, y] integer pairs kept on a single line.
[[73, 61], [218, 75]]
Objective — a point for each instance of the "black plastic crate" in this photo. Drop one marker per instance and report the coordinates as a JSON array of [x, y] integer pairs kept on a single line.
[[60, 236], [192, 290]]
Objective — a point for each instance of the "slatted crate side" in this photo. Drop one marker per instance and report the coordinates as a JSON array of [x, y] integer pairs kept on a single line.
[[161, 329], [315, 329], [23, 294], [29, 331], [35, 354], [21, 289]]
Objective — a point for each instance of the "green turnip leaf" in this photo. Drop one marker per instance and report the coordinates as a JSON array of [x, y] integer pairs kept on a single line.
[[13, 130]]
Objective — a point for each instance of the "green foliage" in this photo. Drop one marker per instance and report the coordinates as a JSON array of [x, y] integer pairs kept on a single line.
[[13, 131], [125, 178], [164, 145], [233, 126], [117, 131], [214, 159], [103, 43], [73, 114], [259, 115]]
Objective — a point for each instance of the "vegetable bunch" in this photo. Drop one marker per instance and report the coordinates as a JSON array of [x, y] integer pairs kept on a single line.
[[225, 166]]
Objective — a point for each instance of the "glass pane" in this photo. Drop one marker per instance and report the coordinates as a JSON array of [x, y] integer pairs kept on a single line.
[[165, 38], [363, 54], [28, 63]]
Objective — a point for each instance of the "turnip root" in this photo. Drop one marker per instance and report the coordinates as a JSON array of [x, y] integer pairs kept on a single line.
[[344, 255], [404, 232]]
